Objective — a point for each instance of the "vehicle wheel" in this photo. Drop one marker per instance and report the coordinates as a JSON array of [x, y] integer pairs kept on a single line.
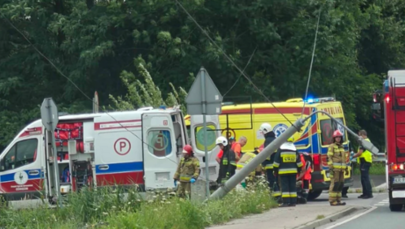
[[313, 194], [395, 207]]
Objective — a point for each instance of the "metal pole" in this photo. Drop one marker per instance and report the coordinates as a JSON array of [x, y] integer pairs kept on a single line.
[[56, 168], [368, 145], [204, 111], [251, 166], [55, 159]]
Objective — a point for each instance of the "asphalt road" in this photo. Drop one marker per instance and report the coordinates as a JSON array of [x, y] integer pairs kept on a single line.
[[372, 213], [378, 200], [377, 217]]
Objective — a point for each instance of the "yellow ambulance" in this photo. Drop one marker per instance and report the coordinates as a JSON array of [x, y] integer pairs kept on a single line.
[[245, 119]]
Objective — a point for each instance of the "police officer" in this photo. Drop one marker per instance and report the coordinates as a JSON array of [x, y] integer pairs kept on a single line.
[[287, 163], [187, 171], [267, 165], [365, 158], [337, 168], [227, 163]]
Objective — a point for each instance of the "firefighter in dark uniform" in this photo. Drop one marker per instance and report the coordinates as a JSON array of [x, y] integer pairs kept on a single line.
[[267, 165], [287, 163], [227, 165]]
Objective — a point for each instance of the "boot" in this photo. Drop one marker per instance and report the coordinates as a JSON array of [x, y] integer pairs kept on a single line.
[[334, 203]]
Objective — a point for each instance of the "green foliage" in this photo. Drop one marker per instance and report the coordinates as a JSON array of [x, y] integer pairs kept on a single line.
[[106, 208], [146, 94], [94, 43], [378, 168]]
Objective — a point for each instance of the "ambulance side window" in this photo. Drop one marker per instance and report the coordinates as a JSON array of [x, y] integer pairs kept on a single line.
[[328, 126], [22, 153], [160, 142], [326, 132], [336, 126]]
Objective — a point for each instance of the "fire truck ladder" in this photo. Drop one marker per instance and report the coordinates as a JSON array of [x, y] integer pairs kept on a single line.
[[399, 105]]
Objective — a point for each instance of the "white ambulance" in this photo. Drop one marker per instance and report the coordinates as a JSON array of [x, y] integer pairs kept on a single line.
[[140, 147]]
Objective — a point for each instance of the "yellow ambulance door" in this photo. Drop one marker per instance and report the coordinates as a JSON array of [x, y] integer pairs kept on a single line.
[[326, 128]]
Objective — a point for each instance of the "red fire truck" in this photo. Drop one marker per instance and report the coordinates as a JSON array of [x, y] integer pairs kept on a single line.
[[394, 118]]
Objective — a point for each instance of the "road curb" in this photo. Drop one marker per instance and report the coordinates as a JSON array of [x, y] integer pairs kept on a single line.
[[382, 186], [329, 219]]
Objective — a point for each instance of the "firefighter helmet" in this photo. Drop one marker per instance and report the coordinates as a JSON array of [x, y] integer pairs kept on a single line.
[[188, 149], [265, 128], [337, 133], [222, 140]]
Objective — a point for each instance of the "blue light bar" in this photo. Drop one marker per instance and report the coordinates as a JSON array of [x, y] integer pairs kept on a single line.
[[317, 100]]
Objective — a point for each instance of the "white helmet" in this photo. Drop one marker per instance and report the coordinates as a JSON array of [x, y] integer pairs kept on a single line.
[[265, 128], [221, 140]]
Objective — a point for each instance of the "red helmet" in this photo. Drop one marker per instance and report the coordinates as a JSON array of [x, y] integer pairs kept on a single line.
[[337, 134], [188, 149]]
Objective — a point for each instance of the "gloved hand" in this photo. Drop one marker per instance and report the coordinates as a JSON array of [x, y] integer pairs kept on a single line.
[[192, 180], [175, 182]]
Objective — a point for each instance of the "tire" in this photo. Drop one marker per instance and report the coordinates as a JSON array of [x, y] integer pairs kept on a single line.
[[395, 207], [313, 194]]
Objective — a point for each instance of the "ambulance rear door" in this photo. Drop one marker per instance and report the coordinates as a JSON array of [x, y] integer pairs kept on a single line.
[[159, 150], [198, 142]]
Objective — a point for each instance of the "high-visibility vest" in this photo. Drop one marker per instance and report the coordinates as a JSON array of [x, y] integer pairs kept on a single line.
[[367, 155]]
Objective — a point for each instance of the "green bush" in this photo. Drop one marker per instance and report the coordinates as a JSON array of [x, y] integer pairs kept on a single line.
[[183, 214], [106, 208]]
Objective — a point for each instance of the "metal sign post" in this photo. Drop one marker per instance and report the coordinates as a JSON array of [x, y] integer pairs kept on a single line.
[[50, 119], [204, 98], [95, 103]]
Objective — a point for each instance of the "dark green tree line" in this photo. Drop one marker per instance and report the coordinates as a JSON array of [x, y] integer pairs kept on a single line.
[[94, 42]]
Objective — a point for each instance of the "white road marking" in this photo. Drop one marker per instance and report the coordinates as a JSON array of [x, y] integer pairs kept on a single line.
[[383, 203], [352, 218]]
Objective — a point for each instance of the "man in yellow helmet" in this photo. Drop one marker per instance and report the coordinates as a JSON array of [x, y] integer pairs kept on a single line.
[[365, 159], [287, 163]]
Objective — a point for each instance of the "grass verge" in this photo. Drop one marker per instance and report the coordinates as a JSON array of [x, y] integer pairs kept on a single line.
[[377, 168], [108, 209]]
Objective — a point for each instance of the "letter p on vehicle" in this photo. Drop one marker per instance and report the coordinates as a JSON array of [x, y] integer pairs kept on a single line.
[[122, 145]]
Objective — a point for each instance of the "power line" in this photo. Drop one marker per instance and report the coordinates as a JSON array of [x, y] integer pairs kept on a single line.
[[232, 62], [236, 81], [75, 85], [312, 61]]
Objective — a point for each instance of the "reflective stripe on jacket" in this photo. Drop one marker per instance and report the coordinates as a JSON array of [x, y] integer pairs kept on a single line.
[[287, 160], [187, 169], [336, 157]]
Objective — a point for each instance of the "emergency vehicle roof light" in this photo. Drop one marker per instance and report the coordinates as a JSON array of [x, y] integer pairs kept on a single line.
[[319, 100]]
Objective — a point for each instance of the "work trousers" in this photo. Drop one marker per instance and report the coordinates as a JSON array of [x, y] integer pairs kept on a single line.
[[336, 186], [276, 192], [270, 177], [365, 179], [184, 189], [289, 188]]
